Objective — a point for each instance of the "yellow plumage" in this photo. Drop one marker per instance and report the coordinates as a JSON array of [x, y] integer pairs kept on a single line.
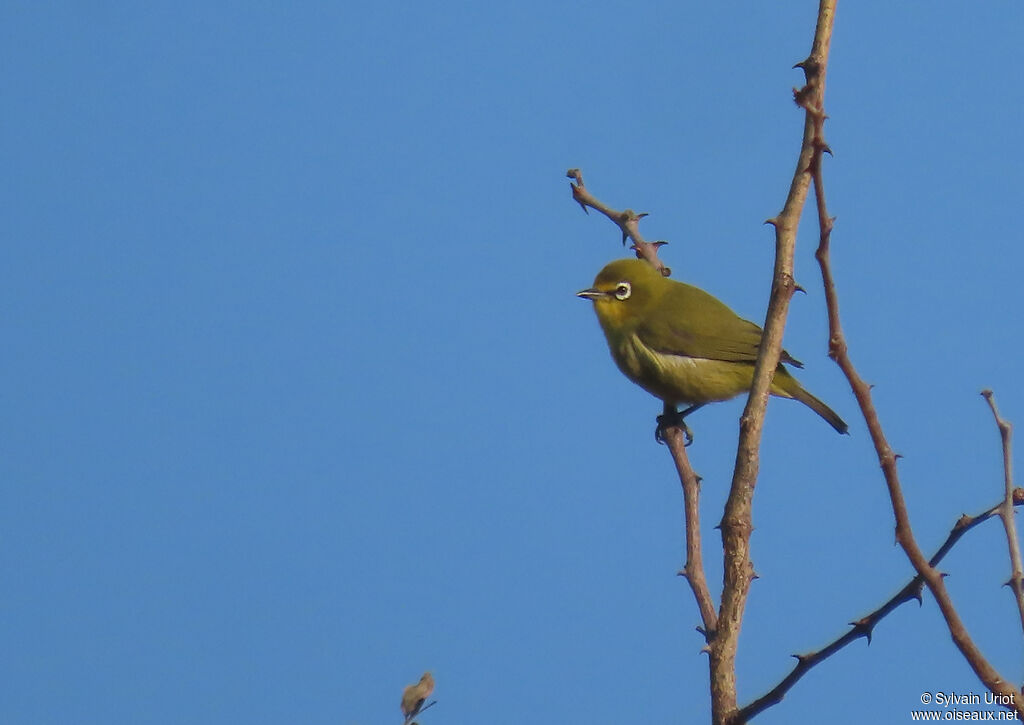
[[681, 344]]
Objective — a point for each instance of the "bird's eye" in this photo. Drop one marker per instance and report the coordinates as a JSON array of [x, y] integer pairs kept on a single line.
[[622, 290]]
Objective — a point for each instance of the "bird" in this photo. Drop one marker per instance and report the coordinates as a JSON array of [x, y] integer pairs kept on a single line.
[[414, 696], [683, 345]]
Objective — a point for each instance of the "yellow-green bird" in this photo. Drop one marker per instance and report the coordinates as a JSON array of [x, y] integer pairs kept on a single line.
[[682, 345]]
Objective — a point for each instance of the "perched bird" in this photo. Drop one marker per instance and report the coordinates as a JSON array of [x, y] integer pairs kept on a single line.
[[414, 696], [682, 345]]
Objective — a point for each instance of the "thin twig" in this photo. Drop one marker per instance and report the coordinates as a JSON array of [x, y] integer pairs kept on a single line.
[[1016, 581], [693, 570], [838, 351], [628, 221], [864, 626]]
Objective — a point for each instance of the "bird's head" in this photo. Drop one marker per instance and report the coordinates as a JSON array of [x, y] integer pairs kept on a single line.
[[623, 291]]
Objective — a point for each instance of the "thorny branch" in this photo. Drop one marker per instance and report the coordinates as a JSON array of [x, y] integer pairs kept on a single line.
[[628, 221], [693, 570], [721, 630], [737, 523], [1016, 581], [864, 626], [838, 351]]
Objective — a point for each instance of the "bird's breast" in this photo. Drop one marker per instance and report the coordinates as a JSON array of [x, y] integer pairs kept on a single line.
[[678, 378]]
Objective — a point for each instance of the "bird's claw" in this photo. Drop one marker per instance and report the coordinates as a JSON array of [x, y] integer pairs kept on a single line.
[[672, 419]]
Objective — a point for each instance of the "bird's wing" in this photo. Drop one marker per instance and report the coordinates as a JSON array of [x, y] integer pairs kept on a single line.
[[703, 327], [411, 700]]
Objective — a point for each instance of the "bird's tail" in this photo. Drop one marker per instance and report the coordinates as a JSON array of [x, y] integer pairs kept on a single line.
[[820, 408]]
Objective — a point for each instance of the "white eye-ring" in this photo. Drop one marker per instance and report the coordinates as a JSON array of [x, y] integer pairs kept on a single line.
[[623, 290]]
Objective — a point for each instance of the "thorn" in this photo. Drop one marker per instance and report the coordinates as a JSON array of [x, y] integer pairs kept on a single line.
[[897, 456], [943, 574], [798, 288], [826, 148], [754, 576], [774, 221], [705, 650], [865, 626], [642, 214], [624, 238], [701, 630], [682, 573], [808, 65], [659, 243]]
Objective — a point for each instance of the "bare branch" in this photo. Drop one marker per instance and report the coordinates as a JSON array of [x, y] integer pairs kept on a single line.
[[737, 523], [864, 626], [693, 570], [838, 351], [628, 221], [1016, 581]]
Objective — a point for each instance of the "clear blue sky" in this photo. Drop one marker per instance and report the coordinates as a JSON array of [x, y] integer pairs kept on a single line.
[[298, 401]]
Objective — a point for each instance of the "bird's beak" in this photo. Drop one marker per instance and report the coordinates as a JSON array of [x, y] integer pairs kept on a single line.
[[591, 294]]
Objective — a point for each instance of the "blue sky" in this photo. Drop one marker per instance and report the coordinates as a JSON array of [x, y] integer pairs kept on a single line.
[[298, 401]]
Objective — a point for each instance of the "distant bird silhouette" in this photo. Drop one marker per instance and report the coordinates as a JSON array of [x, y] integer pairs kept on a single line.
[[414, 696]]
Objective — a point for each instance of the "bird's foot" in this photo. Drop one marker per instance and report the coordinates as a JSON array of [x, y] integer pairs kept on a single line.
[[672, 418]]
